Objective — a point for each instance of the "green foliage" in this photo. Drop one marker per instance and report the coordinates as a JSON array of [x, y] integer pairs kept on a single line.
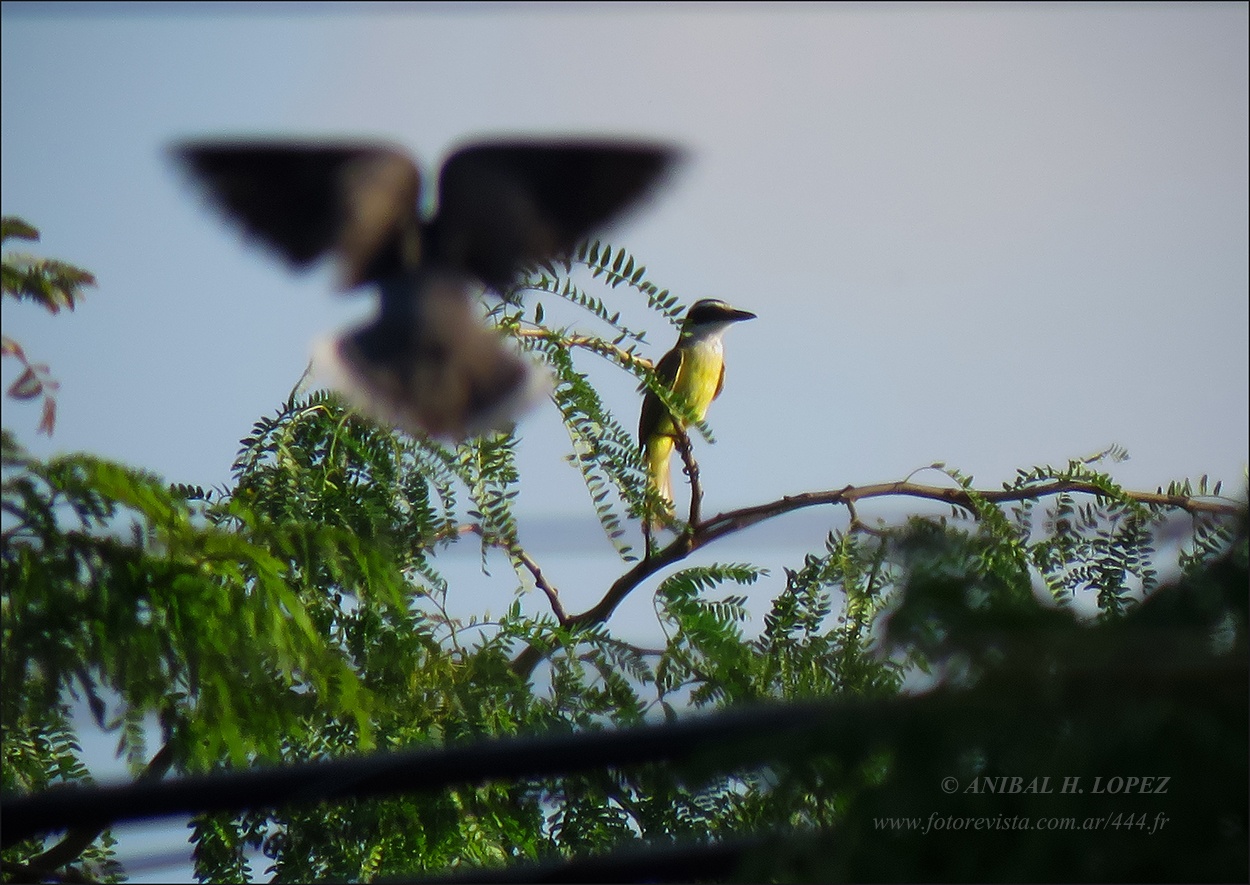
[[616, 268], [802, 654], [303, 613], [114, 588], [52, 284], [1106, 549], [603, 450], [705, 643]]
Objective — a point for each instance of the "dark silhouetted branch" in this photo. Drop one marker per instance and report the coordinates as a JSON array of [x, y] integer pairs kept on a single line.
[[741, 736]]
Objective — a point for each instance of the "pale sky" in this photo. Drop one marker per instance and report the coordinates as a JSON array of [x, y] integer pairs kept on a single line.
[[994, 236]]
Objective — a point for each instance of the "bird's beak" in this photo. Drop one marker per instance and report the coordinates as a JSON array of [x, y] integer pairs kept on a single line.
[[739, 315]]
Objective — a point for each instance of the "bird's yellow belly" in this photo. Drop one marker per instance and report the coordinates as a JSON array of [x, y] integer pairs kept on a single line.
[[698, 378]]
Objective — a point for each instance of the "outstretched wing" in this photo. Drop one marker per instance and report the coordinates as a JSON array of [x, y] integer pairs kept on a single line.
[[653, 410], [504, 203], [304, 199]]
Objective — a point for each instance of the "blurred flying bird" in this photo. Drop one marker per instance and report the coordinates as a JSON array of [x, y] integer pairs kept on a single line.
[[695, 371], [426, 362]]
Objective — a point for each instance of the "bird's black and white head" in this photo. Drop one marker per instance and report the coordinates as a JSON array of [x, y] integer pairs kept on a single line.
[[710, 317]]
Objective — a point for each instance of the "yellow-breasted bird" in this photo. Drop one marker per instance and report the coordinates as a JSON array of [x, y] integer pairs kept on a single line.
[[695, 371], [426, 362]]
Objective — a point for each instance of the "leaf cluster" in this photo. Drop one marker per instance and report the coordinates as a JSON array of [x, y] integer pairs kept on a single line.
[[53, 285]]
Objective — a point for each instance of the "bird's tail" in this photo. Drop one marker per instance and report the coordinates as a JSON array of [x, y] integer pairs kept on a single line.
[[659, 451]]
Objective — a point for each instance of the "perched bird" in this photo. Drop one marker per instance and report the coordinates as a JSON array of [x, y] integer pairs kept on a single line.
[[695, 371], [426, 362]]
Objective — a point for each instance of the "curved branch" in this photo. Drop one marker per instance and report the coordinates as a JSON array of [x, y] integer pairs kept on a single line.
[[77, 840], [678, 550], [700, 534], [735, 520]]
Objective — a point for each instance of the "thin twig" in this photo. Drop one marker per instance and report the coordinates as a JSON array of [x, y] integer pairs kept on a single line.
[[692, 470], [553, 595], [514, 549], [858, 525], [455, 531], [588, 342]]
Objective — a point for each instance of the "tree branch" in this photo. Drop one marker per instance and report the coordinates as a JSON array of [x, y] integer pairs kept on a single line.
[[553, 595], [691, 467], [77, 840], [514, 549], [700, 534], [678, 550], [588, 342], [735, 520]]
